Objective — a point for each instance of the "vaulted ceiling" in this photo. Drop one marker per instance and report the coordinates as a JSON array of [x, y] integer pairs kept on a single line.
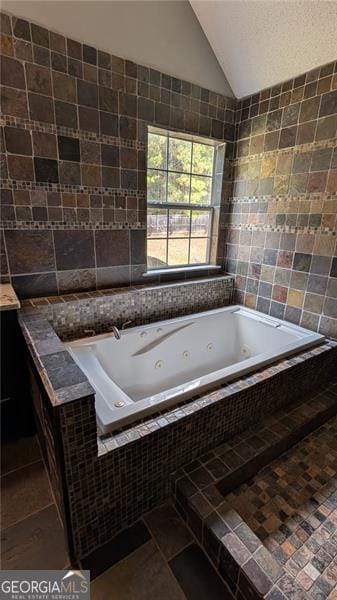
[[260, 43]]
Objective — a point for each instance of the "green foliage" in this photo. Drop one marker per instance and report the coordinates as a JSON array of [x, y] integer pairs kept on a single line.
[[180, 154], [202, 163], [201, 189], [190, 168], [178, 187], [157, 151], [156, 186]]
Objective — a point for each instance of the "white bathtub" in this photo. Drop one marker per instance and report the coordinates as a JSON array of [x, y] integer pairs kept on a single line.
[[156, 366]]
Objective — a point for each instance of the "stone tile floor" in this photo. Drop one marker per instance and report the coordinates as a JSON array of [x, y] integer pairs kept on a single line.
[[31, 532], [291, 505], [156, 558]]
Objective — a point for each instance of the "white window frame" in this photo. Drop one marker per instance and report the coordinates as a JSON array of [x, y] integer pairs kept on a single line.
[[185, 206]]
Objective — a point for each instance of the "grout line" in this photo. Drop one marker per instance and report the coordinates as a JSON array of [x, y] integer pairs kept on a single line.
[[56, 271], [28, 516], [181, 549], [33, 462], [167, 561], [196, 541], [51, 488], [168, 502], [122, 559]]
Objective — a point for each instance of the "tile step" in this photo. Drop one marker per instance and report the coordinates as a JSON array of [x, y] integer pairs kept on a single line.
[[200, 487]]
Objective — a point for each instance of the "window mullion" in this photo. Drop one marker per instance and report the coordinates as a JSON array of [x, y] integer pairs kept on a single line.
[[180, 172], [189, 239], [210, 233], [189, 197], [168, 213], [178, 205], [167, 234]]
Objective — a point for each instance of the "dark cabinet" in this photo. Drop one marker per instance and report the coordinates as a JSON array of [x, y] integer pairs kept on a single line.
[[17, 417]]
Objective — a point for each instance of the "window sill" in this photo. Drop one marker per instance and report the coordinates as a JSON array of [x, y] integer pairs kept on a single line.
[[177, 270]]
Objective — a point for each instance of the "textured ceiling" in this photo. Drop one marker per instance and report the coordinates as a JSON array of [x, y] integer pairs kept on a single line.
[[260, 43]]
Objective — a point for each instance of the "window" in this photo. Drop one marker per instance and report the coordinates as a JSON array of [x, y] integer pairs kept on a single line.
[[180, 173]]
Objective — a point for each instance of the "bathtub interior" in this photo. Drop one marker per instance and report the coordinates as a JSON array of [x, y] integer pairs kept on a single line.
[[151, 359], [156, 363]]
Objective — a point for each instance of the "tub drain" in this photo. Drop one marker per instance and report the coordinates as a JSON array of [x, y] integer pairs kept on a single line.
[[159, 364], [119, 403]]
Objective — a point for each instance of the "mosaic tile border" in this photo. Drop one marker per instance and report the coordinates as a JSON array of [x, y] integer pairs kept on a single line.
[[74, 189], [300, 149], [29, 124], [72, 225], [283, 229], [51, 300]]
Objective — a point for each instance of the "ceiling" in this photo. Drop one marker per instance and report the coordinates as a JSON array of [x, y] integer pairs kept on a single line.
[[260, 43]]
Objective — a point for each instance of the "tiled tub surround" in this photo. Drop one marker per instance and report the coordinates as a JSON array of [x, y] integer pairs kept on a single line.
[[109, 482], [73, 315], [73, 142], [55, 378], [275, 536], [281, 237]]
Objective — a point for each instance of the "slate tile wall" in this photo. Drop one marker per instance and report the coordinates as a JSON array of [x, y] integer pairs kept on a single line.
[[73, 146], [282, 218], [73, 198]]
